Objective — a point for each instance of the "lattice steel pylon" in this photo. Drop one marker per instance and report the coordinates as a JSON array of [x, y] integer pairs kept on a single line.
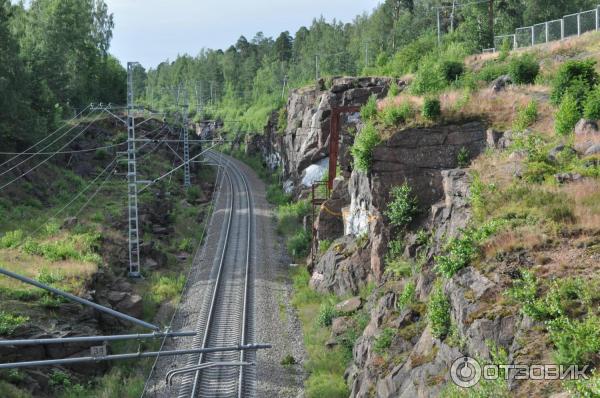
[[186, 144], [134, 239]]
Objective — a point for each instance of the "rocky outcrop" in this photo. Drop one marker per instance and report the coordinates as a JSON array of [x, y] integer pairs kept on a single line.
[[343, 269]]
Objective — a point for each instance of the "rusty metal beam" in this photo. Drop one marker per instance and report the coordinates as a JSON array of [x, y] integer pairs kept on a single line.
[[334, 139]]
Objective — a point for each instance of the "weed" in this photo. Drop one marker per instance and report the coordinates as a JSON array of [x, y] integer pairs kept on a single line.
[[275, 195], [326, 314], [459, 252], [324, 245], [407, 296], [526, 116], [575, 341], [288, 360], [463, 157], [11, 239], [299, 243], [591, 107], [392, 115], [394, 89], [384, 340], [9, 322], [491, 71], [59, 379], [282, 119], [369, 110]]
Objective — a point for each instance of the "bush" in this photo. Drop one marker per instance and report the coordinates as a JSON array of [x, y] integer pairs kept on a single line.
[[403, 207], [438, 312], [570, 72], [364, 143], [432, 108], [591, 106], [384, 340], [326, 314], [524, 291], [275, 195], [537, 172], [451, 70], [504, 49], [567, 116], [523, 69], [299, 244], [369, 110], [392, 115], [526, 116]]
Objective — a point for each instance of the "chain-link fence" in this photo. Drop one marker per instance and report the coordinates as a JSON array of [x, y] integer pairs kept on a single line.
[[558, 29]]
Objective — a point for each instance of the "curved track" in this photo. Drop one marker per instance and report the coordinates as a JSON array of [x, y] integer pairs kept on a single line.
[[227, 317]]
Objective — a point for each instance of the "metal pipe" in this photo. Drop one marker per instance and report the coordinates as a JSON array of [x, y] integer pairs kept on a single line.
[[79, 300], [175, 372], [69, 361], [78, 339]]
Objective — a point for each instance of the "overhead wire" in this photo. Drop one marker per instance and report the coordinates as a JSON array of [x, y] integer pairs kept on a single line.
[[66, 152], [43, 139], [49, 157]]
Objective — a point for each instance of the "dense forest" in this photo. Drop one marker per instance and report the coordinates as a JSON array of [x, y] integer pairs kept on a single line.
[[54, 61], [54, 58], [245, 82]]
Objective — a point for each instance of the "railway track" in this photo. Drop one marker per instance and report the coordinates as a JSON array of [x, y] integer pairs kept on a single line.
[[226, 317]]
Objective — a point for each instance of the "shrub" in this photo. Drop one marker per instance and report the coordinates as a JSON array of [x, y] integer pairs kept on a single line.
[[526, 116], [459, 252], [537, 172], [463, 157], [438, 312], [9, 322], [392, 115], [524, 291], [591, 106], [575, 341], [523, 69], [324, 245], [11, 239], [364, 143], [432, 108], [403, 207], [325, 384], [299, 244], [583, 388], [451, 70], [326, 314], [275, 195], [567, 116], [491, 71], [282, 120], [504, 49], [407, 296], [570, 72], [394, 89], [429, 78], [290, 215], [369, 110], [384, 340]]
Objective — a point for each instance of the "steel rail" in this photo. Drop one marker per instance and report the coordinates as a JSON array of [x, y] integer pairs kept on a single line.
[[218, 278]]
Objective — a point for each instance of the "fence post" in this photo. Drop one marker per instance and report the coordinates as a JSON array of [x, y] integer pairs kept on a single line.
[[579, 24], [546, 32], [515, 41], [597, 18], [562, 28], [532, 36]]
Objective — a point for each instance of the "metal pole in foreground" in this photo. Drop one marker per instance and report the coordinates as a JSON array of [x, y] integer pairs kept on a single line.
[[186, 145], [134, 240], [136, 355], [86, 339], [439, 28], [79, 300]]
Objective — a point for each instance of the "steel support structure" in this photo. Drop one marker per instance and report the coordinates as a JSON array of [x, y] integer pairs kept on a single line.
[[132, 192], [186, 144]]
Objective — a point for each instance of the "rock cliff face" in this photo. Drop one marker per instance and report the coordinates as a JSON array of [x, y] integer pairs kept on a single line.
[[305, 141]]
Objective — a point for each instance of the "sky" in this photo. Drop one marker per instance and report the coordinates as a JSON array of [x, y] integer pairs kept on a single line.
[[150, 31]]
